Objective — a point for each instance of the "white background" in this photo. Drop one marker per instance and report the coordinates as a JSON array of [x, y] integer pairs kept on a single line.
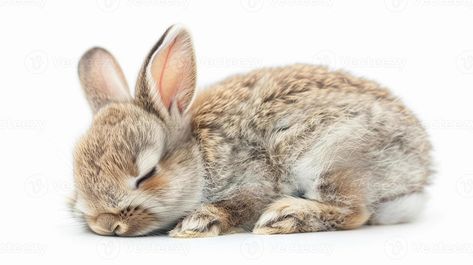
[[423, 50]]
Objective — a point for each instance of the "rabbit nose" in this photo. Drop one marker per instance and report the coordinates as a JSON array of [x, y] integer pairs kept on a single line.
[[109, 224]]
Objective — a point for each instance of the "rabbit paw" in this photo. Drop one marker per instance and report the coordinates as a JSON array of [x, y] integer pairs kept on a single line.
[[204, 222], [286, 216], [277, 224]]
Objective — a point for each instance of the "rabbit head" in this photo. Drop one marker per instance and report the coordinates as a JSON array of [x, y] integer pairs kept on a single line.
[[135, 169]]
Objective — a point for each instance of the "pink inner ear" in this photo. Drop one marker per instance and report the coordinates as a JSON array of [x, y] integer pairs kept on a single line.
[[167, 93], [173, 71], [166, 73]]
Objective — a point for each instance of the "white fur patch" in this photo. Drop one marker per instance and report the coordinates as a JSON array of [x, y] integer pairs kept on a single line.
[[342, 138], [400, 210], [146, 160]]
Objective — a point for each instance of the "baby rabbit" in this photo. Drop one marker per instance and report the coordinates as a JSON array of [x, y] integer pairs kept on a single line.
[[277, 150]]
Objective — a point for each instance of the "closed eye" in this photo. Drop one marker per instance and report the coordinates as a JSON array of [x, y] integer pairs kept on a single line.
[[145, 177]]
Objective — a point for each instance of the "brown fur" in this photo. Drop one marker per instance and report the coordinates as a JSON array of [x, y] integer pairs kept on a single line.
[[277, 150]]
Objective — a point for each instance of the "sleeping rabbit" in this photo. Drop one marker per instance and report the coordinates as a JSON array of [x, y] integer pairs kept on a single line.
[[277, 150]]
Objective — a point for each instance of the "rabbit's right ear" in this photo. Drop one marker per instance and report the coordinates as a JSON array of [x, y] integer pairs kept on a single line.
[[102, 79], [167, 80]]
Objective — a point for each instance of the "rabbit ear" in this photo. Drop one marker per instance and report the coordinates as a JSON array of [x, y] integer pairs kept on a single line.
[[167, 79], [102, 79]]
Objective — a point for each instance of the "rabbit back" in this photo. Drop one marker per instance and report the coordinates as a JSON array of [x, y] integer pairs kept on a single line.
[[282, 131]]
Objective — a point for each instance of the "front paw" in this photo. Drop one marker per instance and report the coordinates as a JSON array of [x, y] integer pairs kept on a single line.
[[204, 222]]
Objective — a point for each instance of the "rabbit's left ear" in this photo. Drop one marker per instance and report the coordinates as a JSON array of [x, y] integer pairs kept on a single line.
[[102, 79], [168, 77]]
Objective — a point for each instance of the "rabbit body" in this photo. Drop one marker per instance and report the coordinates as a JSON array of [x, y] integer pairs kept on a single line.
[[277, 150], [305, 132]]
